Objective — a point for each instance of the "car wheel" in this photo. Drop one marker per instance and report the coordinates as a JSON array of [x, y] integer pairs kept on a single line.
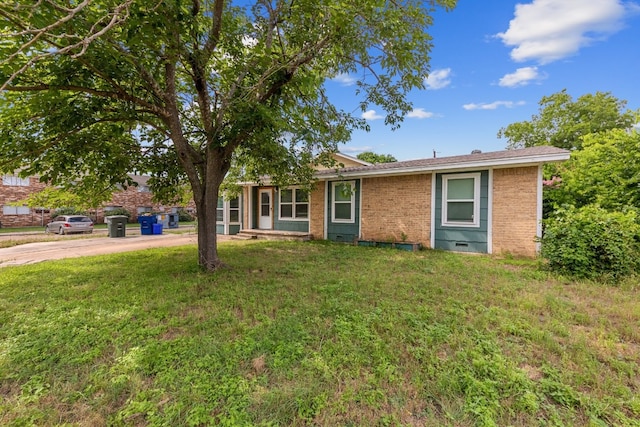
[[61, 231]]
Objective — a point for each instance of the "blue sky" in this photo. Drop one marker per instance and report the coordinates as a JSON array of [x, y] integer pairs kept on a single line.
[[491, 64]]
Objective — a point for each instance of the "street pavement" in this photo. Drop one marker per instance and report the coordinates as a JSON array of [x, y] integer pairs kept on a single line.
[[64, 247]]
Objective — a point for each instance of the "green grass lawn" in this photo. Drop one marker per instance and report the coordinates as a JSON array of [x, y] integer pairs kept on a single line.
[[314, 334]]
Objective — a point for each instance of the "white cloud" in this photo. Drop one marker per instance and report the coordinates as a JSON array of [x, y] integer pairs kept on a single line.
[[493, 105], [371, 115], [419, 113], [522, 77], [345, 79], [548, 30], [438, 79]]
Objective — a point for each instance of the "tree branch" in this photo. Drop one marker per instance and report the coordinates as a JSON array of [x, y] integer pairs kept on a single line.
[[121, 96]]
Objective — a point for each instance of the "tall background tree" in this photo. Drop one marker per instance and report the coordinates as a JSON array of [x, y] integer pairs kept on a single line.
[[562, 122], [183, 90], [371, 157]]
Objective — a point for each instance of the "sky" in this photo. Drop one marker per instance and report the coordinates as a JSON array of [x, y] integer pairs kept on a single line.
[[492, 62]]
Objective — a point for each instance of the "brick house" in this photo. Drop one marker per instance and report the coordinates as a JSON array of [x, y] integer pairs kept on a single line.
[[13, 189], [481, 202], [135, 199]]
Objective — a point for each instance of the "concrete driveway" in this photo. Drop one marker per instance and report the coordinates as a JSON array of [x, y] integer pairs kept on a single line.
[[64, 247]]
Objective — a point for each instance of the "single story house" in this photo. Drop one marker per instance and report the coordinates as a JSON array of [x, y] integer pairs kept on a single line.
[[482, 202]]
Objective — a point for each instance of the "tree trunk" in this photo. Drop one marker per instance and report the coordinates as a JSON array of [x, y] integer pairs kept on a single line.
[[207, 239], [207, 218]]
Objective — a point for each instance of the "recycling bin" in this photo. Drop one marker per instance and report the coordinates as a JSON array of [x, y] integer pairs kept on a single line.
[[163, 219], [146, 224], [174, 218], [157, 228], [117, 225]]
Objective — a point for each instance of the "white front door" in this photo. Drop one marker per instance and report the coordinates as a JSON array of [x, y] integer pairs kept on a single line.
[[264, 197]]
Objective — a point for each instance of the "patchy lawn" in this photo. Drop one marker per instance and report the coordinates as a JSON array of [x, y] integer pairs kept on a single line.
[[314, 334]]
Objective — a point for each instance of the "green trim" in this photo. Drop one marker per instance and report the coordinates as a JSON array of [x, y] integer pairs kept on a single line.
[[460, 238], [343, 231]]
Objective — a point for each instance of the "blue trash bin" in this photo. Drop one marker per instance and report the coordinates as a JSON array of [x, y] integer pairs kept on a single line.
[[157, 228], [146, 224]]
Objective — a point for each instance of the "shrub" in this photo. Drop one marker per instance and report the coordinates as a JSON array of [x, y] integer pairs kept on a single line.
[[67, 211], [184, 216], [590, 242]]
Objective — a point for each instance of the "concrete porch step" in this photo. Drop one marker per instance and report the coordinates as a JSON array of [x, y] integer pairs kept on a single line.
[[272, 235]]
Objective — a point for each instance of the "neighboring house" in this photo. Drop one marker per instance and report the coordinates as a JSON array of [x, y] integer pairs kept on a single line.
[[481, 202], [138, 201], [13, 189], [135, 199]]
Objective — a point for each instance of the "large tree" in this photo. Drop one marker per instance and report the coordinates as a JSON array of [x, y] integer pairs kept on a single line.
[[605, 172], [184, 89], [562, 122], [371, 157]]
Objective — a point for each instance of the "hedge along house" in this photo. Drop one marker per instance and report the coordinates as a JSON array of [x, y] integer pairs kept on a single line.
[[481, 202]]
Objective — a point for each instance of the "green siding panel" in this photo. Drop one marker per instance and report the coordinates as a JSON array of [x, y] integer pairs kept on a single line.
[[343, 232], [286, 225], [463, 239]]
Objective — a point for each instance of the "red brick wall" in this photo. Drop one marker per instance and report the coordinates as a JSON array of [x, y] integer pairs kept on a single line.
[[9, 194], [515, 218], [317, 209], [392, 206]]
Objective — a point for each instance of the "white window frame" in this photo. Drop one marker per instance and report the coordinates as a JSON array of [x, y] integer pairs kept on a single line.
[[16, 210], [144, 209], [226, 211], [335, 184], [476, 200], [293, 204], [15, 181]]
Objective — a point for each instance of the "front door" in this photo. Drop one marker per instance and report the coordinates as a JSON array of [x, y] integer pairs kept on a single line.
[[265, 220]]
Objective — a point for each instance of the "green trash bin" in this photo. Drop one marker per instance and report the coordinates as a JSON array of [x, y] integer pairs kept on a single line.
[[117, 225]]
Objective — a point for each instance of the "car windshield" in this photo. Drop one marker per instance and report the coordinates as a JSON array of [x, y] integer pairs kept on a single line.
[[79, 219]]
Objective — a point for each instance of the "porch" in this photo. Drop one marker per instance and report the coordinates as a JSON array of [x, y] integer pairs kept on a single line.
[[247, 234]]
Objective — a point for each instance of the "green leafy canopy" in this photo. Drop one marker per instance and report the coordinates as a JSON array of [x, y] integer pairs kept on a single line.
[[184, 90]]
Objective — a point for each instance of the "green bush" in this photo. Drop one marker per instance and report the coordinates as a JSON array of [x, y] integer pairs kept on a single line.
[[67, 211], [592, 242], [184, 216]]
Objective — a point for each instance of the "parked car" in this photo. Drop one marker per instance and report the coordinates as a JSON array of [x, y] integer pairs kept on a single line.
[[65, 224]]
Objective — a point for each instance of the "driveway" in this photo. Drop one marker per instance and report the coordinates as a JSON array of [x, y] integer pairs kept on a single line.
[[30, 253]]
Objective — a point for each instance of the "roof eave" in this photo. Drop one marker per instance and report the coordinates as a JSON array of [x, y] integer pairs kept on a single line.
[[481, 164]]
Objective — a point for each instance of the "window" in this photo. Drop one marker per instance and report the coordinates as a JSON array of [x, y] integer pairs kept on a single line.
[[143, 209], [143, 189], [343, 201], [232, 207], [15, 210], [461, 200], [234, 210], [111, 208], [294, 204], [15, 181], [220, 210]]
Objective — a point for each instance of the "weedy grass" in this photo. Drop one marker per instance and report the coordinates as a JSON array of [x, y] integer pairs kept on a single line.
[[314, 334]]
